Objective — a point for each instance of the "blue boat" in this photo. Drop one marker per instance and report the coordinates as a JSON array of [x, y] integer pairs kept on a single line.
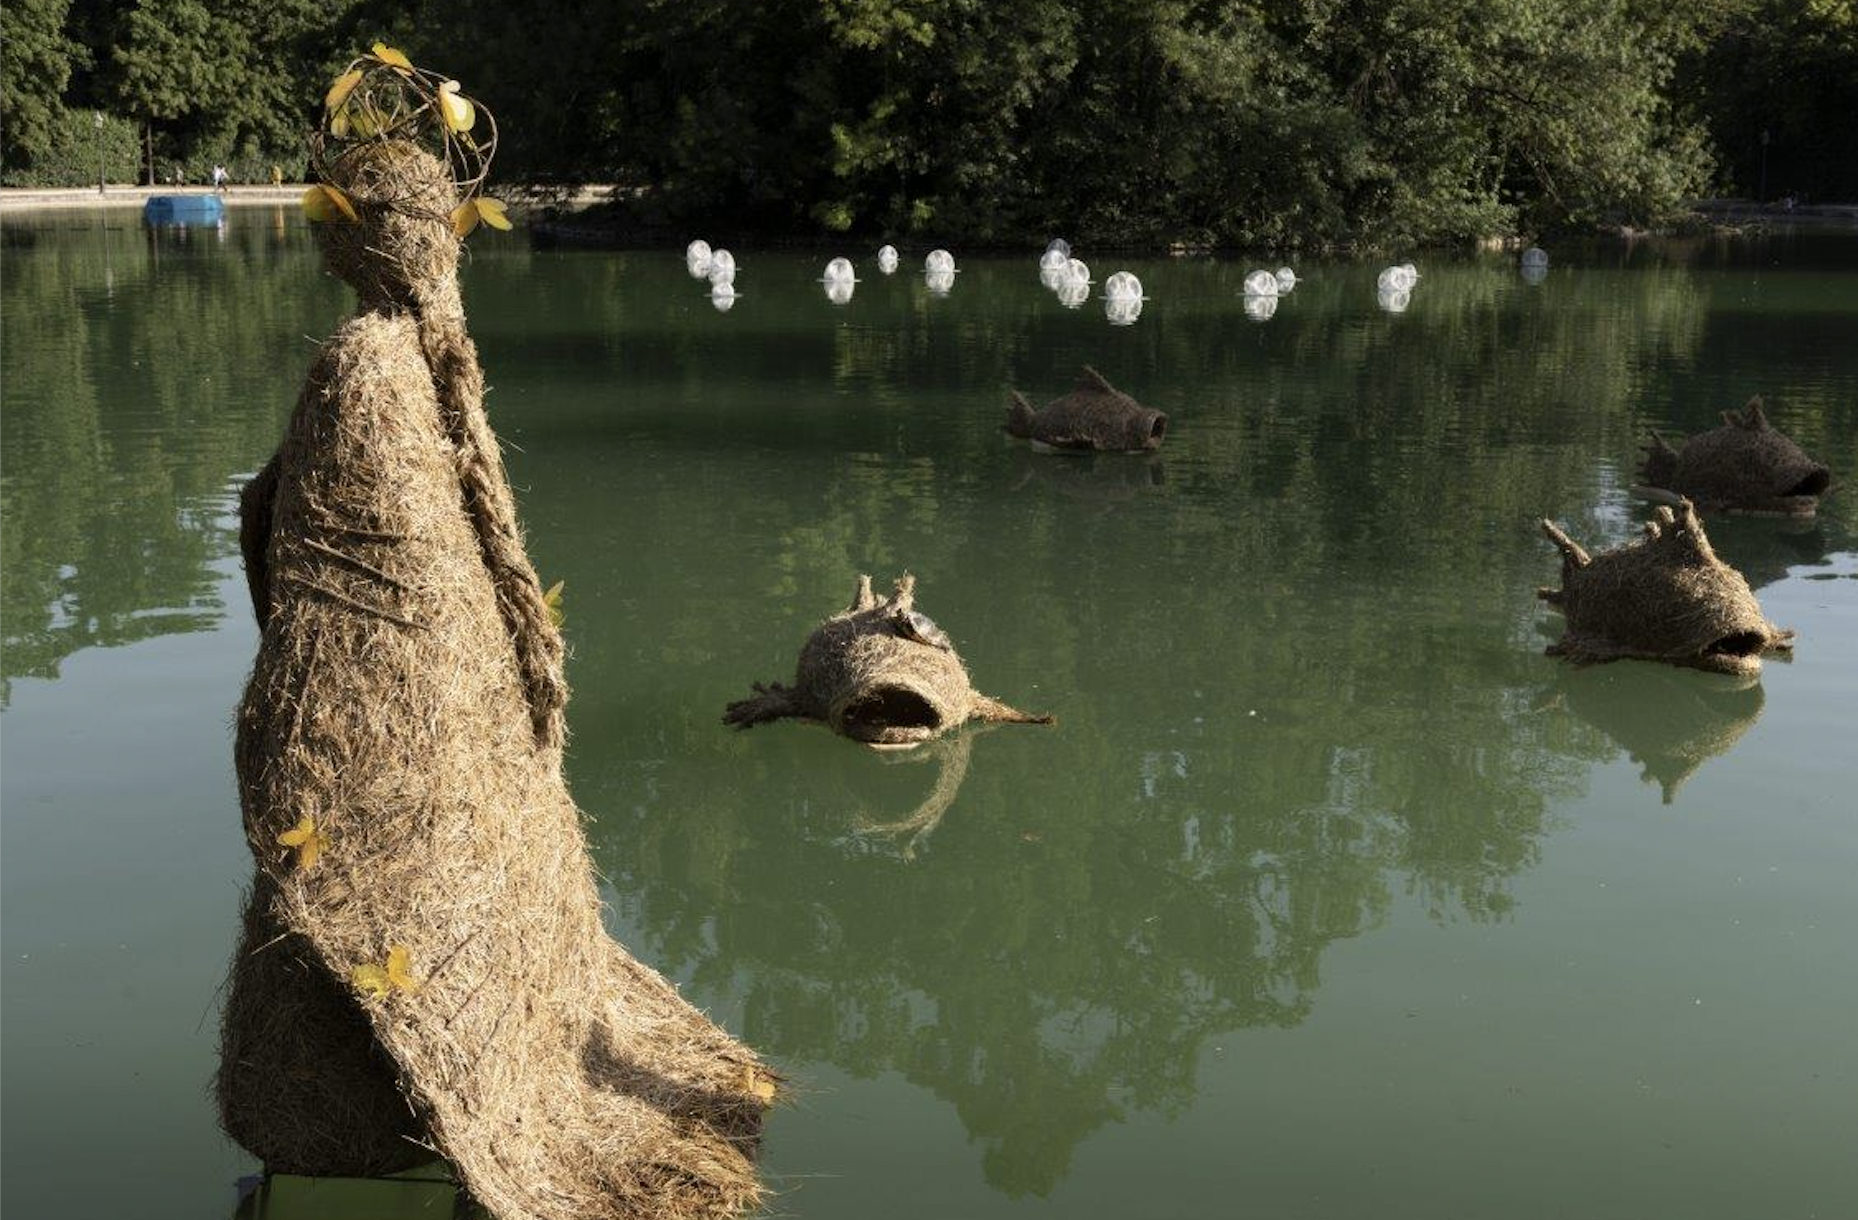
[[184, 210]]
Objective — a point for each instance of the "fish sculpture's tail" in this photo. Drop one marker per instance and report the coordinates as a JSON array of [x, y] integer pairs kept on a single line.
[[1019, 416]]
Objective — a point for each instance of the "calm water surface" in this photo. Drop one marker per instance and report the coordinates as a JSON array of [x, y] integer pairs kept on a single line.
[[1329, 896]]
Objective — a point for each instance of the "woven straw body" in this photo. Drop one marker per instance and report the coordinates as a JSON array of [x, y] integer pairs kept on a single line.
[[1094, 415], [407, 701], [1663, 597], [879, 673], [1744, 466]]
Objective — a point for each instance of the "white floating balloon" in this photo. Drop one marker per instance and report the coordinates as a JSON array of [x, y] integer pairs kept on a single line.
[[939, 260], [1058, 245], [1286, 279], [1393, 300], [1412, 272], [1261, 284], [839, 269], [1259, 308], [1535, 256], [940, 281], [887, 259], [1123, 311], [1055, 260], [722, 267], [1395, 279], [839, 291], [1055, 278], [1073, 293], [697, 251], [1080, 271], [1122, 286]]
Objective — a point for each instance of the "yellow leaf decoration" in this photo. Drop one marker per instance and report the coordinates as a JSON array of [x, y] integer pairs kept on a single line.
[[466, 215], [344, 85], [551, 600], [391, 57], [491, 210], [309, 842], [323, 202], [457, 111], [380, 981], [758, 1085]]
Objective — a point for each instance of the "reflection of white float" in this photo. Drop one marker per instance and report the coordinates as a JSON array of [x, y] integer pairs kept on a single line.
[[939, 260], [1535, 256], [1396, 279], [1055, 260], [1122, 286], [1393, 300], [1261, 284], [1055, 278], [1080, 271], [1534, 273], [1286, 279], [839, 291], [722, 267], [940, 282], [887, 259], [723, 297], [1259, 308], [1073, 293], [839, 269], [1123, 311]]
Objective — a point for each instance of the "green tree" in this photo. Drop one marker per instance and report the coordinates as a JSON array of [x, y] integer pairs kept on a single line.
[[36, 60]]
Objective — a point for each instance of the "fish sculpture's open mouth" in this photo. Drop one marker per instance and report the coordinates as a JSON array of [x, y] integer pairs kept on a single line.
[[888, 714]]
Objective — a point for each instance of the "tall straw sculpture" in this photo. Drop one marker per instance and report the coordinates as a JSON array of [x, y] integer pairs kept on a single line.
[[880, 672], [1746, 465], [424, 958], [1663, 597]]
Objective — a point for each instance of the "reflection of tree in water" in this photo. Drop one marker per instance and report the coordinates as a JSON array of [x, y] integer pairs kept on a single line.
[[143, 370]]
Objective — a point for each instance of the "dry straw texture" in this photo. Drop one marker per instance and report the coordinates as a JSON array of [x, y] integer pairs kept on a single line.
[[1744, 466], [1094, 415], [1664, 597], [407, 703], [880, 673]]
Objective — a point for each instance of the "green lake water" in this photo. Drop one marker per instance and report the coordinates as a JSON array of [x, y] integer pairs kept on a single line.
[[1328, 896]]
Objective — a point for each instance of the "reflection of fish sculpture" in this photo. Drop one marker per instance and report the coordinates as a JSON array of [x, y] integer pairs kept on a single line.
[[1670, 723], [1744, 466], [1663, 597], [1094, 415], [882, 673]]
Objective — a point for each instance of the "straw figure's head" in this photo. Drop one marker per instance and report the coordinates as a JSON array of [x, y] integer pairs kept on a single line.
[[1094, 415], [1746, 465], [1663, 597], [882, 673], [400, 162]]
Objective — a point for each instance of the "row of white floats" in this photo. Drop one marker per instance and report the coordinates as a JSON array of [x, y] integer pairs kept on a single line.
[[1069, 279]]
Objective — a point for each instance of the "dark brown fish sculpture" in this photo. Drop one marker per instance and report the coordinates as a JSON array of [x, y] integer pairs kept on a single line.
[[1094, 415], [1744, 466], [1663, 597], [882, 673]]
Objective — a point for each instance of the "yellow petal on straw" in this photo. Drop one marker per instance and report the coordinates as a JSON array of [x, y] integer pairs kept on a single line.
[[491, 210], [464, 218], [344, 85], [307, 839], [324, 202], [551, 601], [299, 834], [400, 969], [371, 978], [459, 114], [758, 1086], [391, 57]]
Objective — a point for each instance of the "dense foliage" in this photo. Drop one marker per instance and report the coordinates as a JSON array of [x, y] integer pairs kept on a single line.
[[1218, 121]]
